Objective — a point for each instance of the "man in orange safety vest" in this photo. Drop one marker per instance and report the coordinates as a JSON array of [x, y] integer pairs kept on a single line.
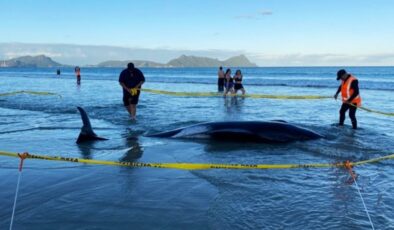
[[350, 96]]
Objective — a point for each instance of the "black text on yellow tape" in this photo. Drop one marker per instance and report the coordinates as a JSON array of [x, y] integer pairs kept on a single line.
[[195, 166]]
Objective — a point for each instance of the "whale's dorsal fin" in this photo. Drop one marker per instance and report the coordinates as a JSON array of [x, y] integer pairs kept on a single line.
[[87, 133]]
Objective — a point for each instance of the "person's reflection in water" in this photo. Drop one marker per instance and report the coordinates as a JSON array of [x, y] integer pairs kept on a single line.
[[238, 103], [233, 104], [135, 152]]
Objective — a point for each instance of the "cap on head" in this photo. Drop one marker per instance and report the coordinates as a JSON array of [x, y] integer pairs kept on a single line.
[[130, 66], [340, 73]]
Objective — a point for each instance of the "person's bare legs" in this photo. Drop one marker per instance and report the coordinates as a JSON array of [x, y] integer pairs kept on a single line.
[[225, 92], [235, 91], [128, 108], [132, 111], [243, 91]]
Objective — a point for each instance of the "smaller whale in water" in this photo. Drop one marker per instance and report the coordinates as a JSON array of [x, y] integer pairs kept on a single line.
[[87, 133], [256, 131]]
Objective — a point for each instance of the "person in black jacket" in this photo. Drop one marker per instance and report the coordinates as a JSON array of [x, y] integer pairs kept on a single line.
[[131, 80]]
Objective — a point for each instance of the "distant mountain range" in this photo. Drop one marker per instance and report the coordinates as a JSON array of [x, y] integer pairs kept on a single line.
[[185, 61], [30, 61], [181, 62]]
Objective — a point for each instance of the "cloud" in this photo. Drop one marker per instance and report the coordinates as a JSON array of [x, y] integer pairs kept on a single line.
[[88, 54], [246, 16], [14, 54], [83, 54], [325, 59], [265, 12], [254, 16]]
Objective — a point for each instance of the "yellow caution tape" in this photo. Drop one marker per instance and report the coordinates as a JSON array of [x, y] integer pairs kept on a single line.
[[263, 96], [370, 110], [215, 94], [373, 111], [29, 92], [374, 160], [208, 94], [195, 166]]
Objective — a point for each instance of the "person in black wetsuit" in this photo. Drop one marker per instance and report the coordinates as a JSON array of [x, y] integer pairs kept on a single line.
[[238, 82], [131, 80], [350, 97], [220, 79]]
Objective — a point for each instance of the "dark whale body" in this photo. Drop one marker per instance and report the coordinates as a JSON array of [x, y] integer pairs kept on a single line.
[[256, 131]]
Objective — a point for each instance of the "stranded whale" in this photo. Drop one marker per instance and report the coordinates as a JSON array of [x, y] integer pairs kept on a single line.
[[256, 131]]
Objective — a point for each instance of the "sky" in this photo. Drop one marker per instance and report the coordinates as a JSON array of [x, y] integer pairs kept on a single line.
[[269, 32]]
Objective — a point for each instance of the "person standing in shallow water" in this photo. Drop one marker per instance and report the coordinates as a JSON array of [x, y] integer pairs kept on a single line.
[[350, 97], [131, 80], [228, 82], [77, 71], [238, 82], [220, 79]]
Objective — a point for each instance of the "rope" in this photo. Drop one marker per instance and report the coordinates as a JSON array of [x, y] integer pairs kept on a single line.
[[16, 197], [210, 94], [22, 158], [373, 111], [256, 96], [29, 92], [214, 94], [365, 207], [348, 166]]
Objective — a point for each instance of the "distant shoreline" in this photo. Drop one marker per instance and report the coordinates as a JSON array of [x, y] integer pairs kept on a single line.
[[183, 61], [246, 67]]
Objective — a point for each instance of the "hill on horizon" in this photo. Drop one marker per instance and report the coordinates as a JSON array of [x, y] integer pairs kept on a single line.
[[183, 61], [30, 61]]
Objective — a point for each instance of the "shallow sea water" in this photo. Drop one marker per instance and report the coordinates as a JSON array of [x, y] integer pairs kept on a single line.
[[62, 195]]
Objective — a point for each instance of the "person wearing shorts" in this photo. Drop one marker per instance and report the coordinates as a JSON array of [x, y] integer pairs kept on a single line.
[[131, 80], [238, 82], [228, 83]]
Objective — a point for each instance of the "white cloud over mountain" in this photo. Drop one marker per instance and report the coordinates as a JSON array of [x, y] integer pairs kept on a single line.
[[90, 55]]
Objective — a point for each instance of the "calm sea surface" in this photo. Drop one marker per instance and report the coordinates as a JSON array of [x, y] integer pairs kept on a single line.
[[61, 195]]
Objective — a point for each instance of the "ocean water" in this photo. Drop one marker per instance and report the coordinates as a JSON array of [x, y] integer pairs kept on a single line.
[[62, 195]]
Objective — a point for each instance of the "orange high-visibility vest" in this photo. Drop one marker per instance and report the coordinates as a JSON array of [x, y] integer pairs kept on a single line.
[[347, 91]]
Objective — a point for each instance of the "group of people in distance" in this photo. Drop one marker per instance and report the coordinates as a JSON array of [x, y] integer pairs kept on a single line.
[[229, 84]]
